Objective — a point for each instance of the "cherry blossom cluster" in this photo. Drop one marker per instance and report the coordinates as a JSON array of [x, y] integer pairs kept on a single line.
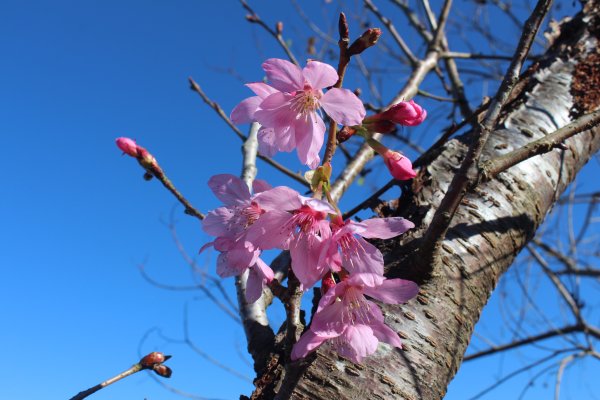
[[320, 244], [323, 247]]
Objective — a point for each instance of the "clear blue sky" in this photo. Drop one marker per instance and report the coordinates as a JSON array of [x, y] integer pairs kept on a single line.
[[77, 219]]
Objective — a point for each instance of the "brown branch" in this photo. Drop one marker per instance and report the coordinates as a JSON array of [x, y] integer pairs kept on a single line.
[[491, 168]]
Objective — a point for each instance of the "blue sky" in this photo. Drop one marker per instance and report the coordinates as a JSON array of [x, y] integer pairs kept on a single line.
[[78, 219]]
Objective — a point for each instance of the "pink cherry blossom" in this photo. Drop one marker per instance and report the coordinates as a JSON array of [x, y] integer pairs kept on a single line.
[[400, 166], [357, 255], [353, 325], [288, 108], [230, 226], [295, 223]]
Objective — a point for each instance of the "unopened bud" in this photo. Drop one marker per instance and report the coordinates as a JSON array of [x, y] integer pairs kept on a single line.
[[368, 39], [152, 359], [251, 18], [400, 166], [163, 370], [407, 113], [279, 27], [128, 146], [343, 27], [345, 133]]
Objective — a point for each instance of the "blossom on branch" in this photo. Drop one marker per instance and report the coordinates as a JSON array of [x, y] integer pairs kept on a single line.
[[230, 225], [353, 325], [287, 109]]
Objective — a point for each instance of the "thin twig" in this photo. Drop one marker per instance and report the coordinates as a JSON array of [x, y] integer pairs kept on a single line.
[[390, 26], [254, 18]]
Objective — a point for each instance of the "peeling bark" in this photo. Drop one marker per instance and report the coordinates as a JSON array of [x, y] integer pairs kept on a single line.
[[493, 223]]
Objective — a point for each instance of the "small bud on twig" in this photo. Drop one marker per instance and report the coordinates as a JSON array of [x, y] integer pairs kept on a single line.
[[343, 27], [279, 27], [368, 39]]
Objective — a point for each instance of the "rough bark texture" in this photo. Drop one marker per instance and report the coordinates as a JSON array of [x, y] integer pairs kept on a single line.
[[492, 225]]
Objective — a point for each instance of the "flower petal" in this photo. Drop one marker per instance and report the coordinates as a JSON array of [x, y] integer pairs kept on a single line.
[[385, 228], [267, 142], [230, 189], [305, 256], [271, 230], [243, 113], [310, 133], [280, 198], [216, 222], [343, 106], [308, 342], [386, 334], [367, 259], [283, 75], [393, 291], [276, 112], [254, 286], [258, 186], [261, 89], [320, 75], [361, 342]]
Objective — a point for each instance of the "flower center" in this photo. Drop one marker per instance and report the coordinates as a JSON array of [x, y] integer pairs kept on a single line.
[[251, 213], [306, 101], [306, 219], [356, 307]]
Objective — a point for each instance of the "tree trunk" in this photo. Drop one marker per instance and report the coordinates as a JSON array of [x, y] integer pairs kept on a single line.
[[492, 225]]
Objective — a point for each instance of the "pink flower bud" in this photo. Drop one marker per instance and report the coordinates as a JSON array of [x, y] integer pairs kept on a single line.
[[128, 146], [400, 167], [407, 113]]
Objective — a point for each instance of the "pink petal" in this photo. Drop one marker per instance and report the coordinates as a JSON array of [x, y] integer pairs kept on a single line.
[[320, 75], [385, 334], [254, 286], [128, 146], [283, 75], [243, 113], [280, 198], [310, 134], [261, 89], [259, 185], [369, 260], [343, 106], [263, 270], [328, 321], [285, 139], [276, 112], [267, 142], [241, 256], [308, 342], [225, 269], [271, 230], [305, 256], [318, 205], [393, 291], [230, 189], [385, 228], [216, 222], [361, 343], [366, 280]]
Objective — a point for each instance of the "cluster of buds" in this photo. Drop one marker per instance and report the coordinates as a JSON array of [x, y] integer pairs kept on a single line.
[[154, 361]]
